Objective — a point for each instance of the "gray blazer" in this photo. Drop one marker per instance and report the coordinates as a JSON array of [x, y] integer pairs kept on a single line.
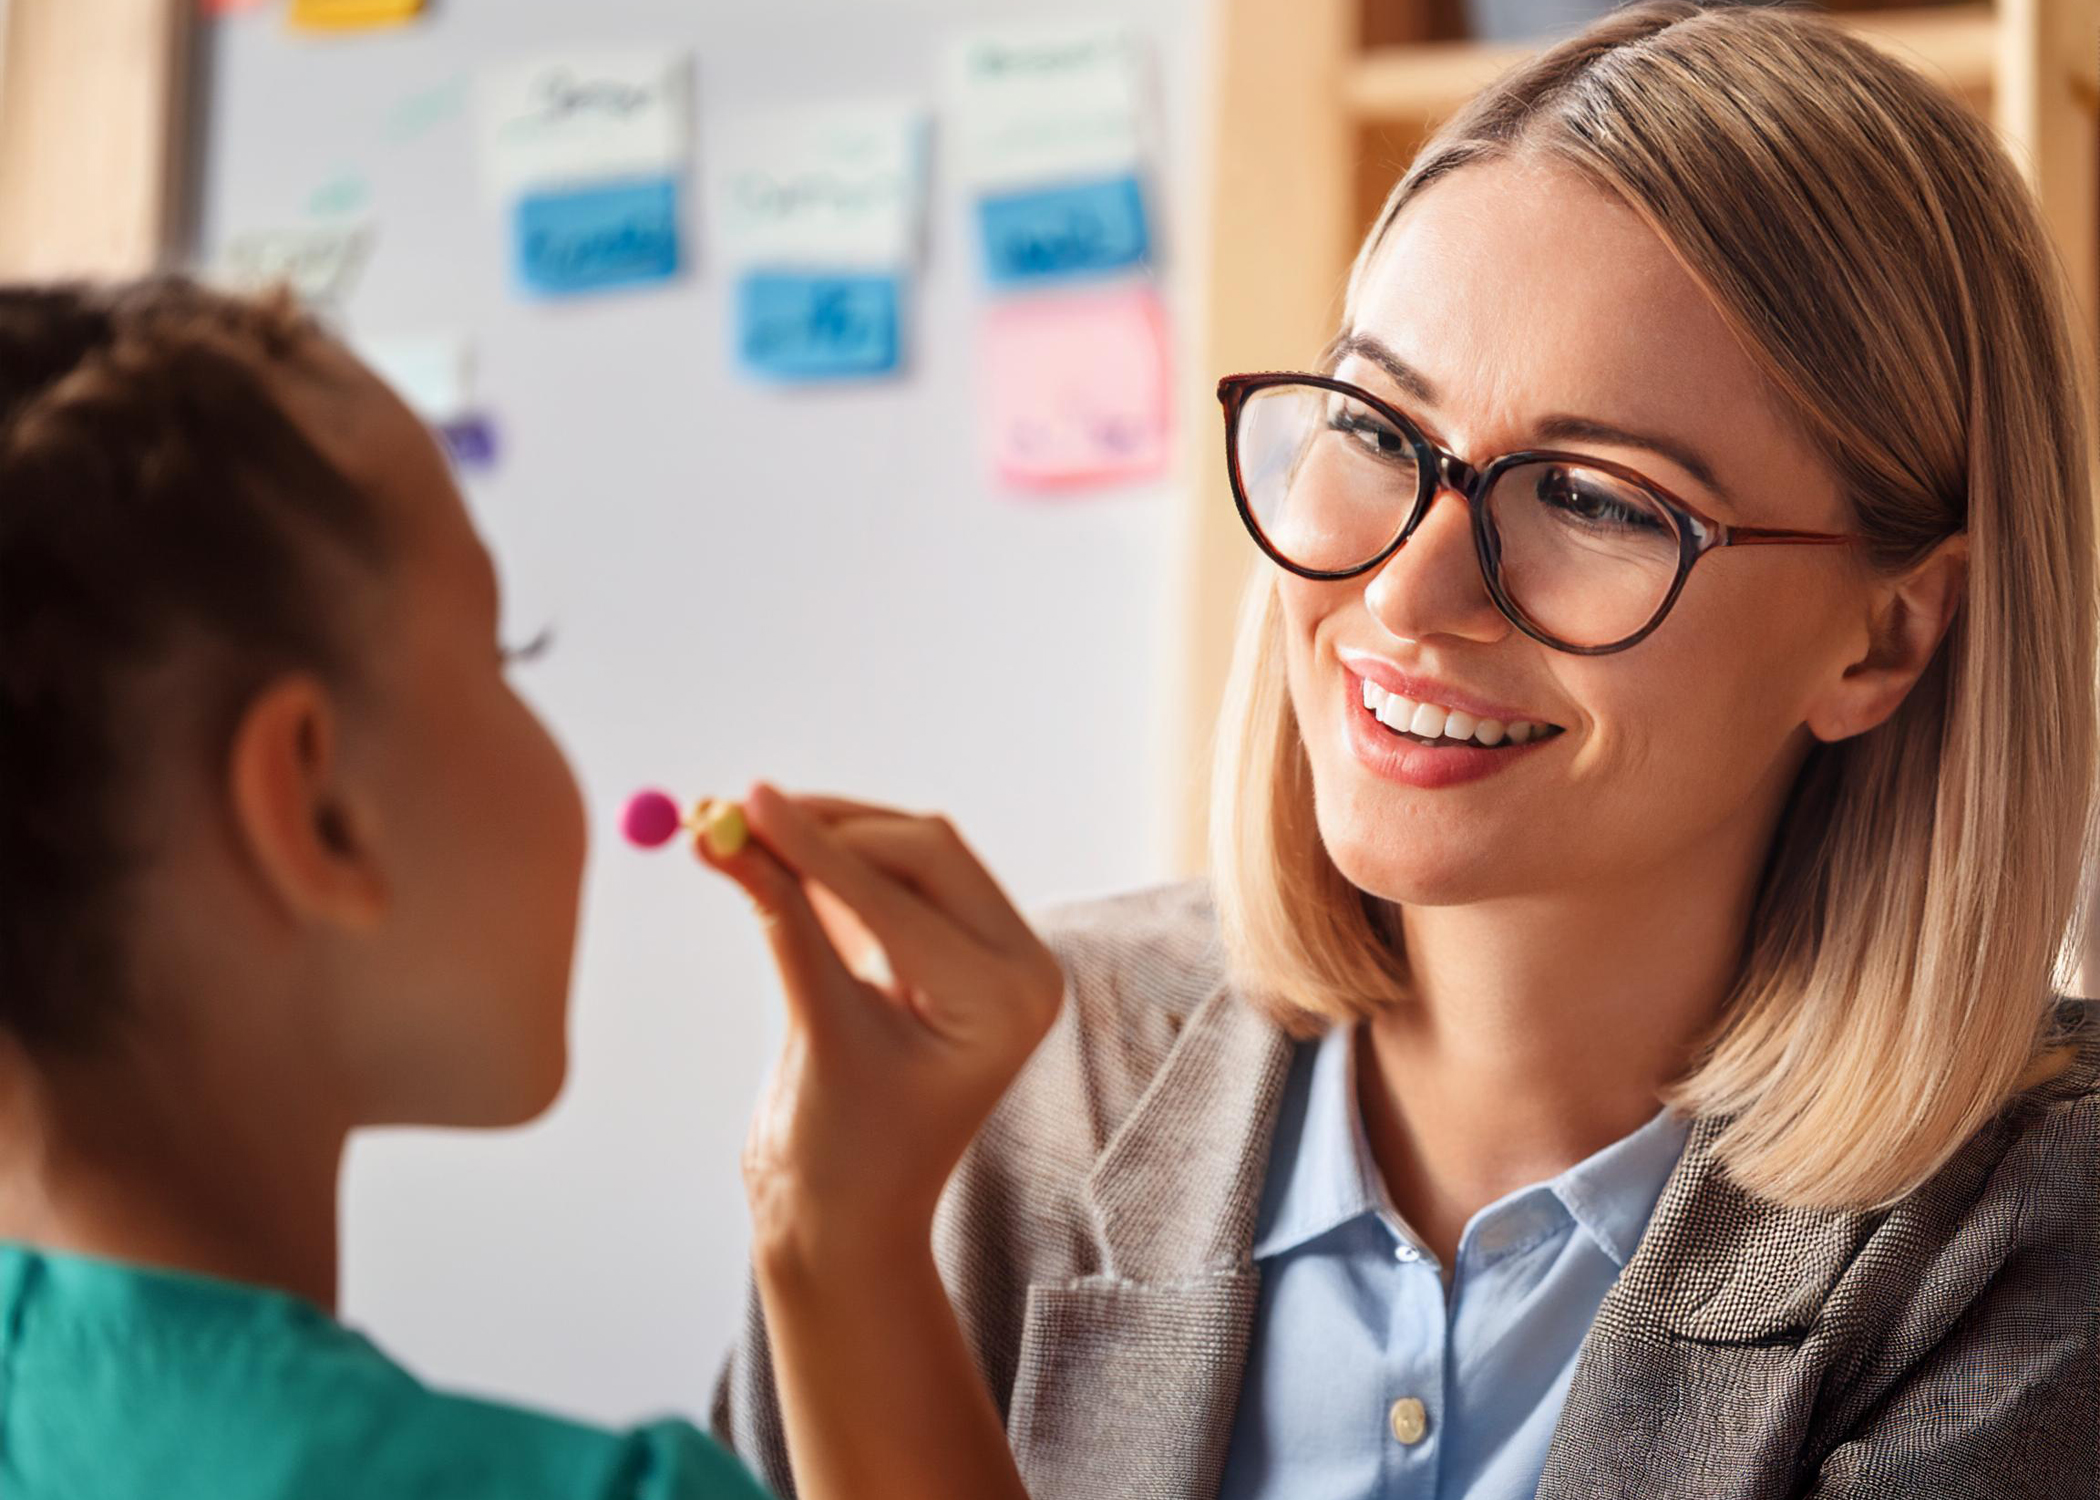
[[1095, 1241]]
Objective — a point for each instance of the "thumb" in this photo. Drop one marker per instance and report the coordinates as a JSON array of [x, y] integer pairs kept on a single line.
[[815, 979]]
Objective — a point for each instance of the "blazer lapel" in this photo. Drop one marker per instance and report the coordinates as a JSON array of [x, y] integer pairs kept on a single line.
[[1691, 1382], [1127, 1378]]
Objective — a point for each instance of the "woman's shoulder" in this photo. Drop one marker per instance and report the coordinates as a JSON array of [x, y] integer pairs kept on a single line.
[[1137, 965], [1138, 956]]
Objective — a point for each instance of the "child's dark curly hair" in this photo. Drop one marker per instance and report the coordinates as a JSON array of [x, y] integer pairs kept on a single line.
[[154, 499]]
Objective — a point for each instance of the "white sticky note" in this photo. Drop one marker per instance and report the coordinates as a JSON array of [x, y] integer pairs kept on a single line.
[[433, 373], [583, 117], [322, 263], [1042, 104], [838, 186]]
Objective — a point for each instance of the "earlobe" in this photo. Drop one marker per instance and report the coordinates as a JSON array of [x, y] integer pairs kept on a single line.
[[294, 813]]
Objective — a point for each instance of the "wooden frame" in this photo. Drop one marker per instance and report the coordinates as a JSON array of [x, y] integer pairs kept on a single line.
[[90, 127]]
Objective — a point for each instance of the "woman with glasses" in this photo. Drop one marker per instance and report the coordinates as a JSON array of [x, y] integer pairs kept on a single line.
[[1619, 1049]]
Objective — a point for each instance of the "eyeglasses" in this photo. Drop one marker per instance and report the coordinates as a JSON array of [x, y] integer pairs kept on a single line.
[[1580, 553]]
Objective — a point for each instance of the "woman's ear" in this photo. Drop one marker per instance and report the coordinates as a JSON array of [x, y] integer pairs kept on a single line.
[[1909, 617], [294, 813]]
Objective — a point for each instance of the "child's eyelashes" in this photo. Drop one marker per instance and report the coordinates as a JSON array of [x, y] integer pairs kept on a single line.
[[531, 651]]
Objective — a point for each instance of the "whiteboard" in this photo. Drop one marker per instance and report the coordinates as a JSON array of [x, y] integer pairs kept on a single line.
[[818, 586]]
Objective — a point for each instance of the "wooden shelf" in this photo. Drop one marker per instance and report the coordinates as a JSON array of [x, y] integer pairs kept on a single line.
[[1426, 81]]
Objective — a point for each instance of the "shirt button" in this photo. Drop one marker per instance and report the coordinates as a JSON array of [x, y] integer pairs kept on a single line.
[[1410, 1420], [1404, 1252]]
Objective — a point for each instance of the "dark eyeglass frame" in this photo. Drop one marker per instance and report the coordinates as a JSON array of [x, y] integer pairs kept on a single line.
[[1439, 469]]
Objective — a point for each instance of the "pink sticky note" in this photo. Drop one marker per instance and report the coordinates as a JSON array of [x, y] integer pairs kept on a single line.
[[1076, 388], [229, 7]]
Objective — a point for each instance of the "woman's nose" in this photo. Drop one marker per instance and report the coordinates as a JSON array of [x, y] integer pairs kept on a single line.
[[1432, 585]]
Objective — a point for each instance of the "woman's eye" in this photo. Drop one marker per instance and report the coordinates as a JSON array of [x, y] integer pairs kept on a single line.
[[1595, 504], [1367, 430]]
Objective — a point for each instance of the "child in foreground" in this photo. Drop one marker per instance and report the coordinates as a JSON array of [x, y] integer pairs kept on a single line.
[[283, 856]]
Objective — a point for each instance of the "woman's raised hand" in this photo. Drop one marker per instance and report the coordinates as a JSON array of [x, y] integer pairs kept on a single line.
[[915, 992]]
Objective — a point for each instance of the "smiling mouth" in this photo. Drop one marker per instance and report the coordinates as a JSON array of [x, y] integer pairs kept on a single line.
[[1447, 728]]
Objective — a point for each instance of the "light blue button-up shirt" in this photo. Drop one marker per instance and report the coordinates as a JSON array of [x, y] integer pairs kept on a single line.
[[1354, 1319]]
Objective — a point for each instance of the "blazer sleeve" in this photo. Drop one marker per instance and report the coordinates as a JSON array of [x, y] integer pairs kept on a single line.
[[745, 1416]]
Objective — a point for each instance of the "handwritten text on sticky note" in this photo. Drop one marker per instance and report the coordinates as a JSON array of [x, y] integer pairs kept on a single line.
[[596, 238], [1054, 103], [322, 263], [583, 118], [833, 186], [817, 326], [1077, 388], [1043, 233]]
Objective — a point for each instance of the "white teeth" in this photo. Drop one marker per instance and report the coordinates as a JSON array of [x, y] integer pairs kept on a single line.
[[1431, 721]]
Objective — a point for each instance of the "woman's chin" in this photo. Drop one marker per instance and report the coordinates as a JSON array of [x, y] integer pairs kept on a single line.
[[1420, 872]]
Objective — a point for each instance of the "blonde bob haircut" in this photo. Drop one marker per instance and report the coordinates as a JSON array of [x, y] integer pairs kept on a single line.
[[1874, 250]]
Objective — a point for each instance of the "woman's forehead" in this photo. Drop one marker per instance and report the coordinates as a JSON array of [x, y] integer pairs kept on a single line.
[[1529, 282], [1516, 290]]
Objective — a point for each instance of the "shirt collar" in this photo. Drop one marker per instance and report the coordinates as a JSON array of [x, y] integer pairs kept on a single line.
[[1322, 1175]]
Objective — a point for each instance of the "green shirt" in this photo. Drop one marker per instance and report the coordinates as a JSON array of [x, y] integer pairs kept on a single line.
[[121, 1382]]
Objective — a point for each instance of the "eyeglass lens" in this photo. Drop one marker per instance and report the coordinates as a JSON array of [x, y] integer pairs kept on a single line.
[[1330, 481]]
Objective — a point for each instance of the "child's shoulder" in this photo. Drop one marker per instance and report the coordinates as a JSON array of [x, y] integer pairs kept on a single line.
[[135, 1381]]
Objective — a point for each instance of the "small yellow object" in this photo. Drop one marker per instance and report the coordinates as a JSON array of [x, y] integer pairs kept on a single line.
[[720, 825]]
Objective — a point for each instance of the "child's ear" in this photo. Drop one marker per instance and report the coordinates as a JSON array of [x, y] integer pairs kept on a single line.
[[293, 811], [1910, 615]]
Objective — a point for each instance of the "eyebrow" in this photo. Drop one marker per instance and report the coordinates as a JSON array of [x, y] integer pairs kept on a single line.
[[1557, 427]]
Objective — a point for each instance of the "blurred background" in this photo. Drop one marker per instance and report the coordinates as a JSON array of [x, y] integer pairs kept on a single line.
[[833, 378]]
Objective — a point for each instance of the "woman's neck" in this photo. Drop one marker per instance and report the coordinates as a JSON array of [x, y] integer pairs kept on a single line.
[[170, 1166], [1539, 1030]]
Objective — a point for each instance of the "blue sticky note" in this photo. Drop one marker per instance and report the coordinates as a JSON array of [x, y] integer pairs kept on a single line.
[[794, 325], [590, 238], [1047, 233]]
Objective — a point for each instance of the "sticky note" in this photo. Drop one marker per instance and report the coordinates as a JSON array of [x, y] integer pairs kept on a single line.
[[815, 326], [322, 263], [1042, 233], [471, 440], [586, 117], [1045, 104], [229, 7], [833, 186], [1076, 388], [353, 15], [594, 238], [432, 373]]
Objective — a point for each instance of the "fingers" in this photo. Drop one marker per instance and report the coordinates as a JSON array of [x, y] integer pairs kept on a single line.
[[811, 972], [928, 948], [929, 856]]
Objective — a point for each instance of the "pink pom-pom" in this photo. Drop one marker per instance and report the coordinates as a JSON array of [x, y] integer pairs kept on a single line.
[[651, 819]]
